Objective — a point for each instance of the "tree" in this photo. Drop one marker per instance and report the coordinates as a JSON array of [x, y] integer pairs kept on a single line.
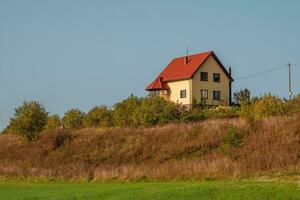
[[155, 110], [123, 111], [73, 119], [242, 96], [53, 122], [29, 120], [99, 116]]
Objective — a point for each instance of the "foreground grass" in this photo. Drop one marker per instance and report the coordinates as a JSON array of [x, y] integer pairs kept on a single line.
[[234, 189]]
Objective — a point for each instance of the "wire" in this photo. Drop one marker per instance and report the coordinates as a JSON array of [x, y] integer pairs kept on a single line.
[[260, 73]]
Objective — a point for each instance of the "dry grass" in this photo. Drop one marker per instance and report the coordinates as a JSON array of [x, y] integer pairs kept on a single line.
[[174, 151]]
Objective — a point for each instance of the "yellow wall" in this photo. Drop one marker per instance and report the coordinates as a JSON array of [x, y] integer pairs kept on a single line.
[[175, 88], [211, 66]]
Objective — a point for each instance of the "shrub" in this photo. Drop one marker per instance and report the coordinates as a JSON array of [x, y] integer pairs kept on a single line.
[[53, 122], [29, 120], [123, 111], [73, 119], [170, 113], [269, 105], [99, 116], [266, 106], [221, 112], [154, 110], [247, 112], [294, 105], [193, 115], [233, 138]]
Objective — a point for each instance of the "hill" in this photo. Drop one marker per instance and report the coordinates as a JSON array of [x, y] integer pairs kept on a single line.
[[211, 149]]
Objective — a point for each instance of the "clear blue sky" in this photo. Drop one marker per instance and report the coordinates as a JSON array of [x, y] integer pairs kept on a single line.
[[69, 54]]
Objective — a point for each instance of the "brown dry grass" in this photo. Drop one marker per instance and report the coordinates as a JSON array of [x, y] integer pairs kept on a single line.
[[174, 151]]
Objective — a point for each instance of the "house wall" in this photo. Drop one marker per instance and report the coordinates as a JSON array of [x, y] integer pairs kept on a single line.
[[174, 92], [211, 66]]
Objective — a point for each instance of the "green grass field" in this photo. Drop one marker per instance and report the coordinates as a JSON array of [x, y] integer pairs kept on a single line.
[[233, 189]]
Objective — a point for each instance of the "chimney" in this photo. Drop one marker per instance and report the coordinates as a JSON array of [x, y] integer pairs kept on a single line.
[[230, 88], [185, 60], [186, 57]]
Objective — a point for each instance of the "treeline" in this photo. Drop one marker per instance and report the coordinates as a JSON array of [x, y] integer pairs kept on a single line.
[[31, 118]]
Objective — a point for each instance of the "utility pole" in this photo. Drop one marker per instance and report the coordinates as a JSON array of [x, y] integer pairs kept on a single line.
[[290, 81]]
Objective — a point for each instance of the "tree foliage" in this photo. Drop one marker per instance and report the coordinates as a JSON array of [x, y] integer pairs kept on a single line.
[[99, 116], [123, 111], [265, 106], [29, 120], [73, 119], [242, 96], [155, 110], [53, 122]]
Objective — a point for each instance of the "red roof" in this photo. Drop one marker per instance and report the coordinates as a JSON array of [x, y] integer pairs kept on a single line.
[[179, 69]]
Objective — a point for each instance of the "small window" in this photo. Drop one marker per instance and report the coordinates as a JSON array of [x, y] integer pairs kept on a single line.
[[182, 94], [155, 93], [216, 95], [216, 77], [204, 94], [204, 76]]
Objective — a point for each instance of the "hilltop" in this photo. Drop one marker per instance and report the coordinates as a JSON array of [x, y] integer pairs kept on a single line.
[[210, 149]]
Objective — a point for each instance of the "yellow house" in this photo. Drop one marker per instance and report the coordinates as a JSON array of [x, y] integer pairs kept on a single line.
[[193, 79]]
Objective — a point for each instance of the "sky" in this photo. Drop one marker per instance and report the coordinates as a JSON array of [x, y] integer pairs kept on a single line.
[[78, 54]]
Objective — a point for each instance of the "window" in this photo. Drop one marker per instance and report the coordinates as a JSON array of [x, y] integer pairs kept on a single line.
[[155, 93], [204, 94], [204, 76], [216, 77], [182, 93], [216, 95]]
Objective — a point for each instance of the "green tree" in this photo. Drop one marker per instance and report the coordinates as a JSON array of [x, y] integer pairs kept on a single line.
[[269, 105], [73, 119], [123, 111], [99, 116], [53, 122], [155, 110], [242, 96], [29, 120]]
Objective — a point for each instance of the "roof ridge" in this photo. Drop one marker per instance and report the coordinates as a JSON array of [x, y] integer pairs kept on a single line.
[[195, 54]]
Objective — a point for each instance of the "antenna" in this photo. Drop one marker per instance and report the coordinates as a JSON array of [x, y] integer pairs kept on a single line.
[[290, 82]]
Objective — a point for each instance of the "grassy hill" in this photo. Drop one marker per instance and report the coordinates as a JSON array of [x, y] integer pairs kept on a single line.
[[211, 149]]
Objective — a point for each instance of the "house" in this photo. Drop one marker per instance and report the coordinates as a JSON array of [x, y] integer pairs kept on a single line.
[[194, 78]]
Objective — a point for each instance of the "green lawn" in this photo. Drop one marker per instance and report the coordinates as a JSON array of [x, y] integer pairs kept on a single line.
[[234, 189]]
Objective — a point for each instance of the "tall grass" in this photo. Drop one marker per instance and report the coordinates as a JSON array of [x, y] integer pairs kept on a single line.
[[175, 151]]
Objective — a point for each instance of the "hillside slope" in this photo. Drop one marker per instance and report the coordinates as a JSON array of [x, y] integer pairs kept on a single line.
[[209, 149]]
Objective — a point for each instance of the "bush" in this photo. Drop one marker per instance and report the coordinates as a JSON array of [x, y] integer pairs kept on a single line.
[[29, 120], [99, 116], [73, 119], [269, 105], [247, 112], [123, 111], [233, 138], [294, 105], [193, 115], [221, 112], [154, 110], [53, 122], [266, 106]]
